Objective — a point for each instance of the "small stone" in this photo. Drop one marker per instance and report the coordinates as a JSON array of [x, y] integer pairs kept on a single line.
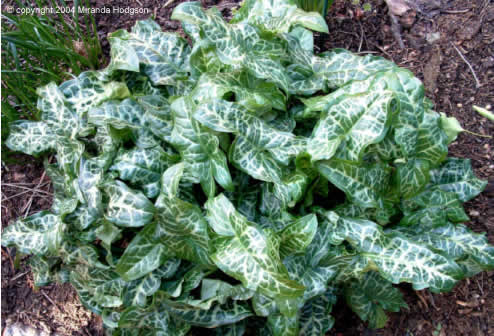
[[432, 37], [474, 213], [18, 329]]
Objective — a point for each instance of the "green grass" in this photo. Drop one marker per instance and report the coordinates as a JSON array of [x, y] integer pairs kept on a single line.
[[39, 49], [320, 6]]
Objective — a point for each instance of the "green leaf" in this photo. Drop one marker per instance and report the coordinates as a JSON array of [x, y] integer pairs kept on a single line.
[[199, 148], [56, 112], [354, 122], [127, 207], [30, 137], [279, 16], [38, 234], [97, 289], [259, 149], [247, 253], [144, 254], [456, 241], [371, 297], [364, 185], [451, 126], [210, 318], [433, 208], [297, 236], [182, 227], [163, 56], [315, 319], [456, 176], [90, 89], [396, 257], [411, 177]]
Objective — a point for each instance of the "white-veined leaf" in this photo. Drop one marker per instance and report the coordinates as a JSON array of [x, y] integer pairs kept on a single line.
[[395, 256], [127, 207], [247, 253], [38, 234]]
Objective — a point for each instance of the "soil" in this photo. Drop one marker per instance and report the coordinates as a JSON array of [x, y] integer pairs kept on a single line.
[[436, 34]]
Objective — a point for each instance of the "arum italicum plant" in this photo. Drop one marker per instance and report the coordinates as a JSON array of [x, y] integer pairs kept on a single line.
[[243, 182]]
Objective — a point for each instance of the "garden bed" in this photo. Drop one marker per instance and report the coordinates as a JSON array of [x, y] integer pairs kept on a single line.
[[459, 28]]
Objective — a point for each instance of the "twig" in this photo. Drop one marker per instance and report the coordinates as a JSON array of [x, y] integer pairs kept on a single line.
[[469, 65], [10, 258], [361, 37], [30, 202], [395, 29], [18, 276], [52, 302], [22, 193], [168, 3], [29, 189], [459, 11]]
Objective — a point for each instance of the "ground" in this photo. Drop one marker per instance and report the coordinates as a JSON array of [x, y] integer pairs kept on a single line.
[[442, 40]]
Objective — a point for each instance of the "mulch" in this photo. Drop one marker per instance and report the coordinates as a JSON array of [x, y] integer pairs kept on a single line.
[[436, 36]]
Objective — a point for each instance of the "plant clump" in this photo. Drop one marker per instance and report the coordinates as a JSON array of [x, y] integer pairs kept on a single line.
[[245, 182]]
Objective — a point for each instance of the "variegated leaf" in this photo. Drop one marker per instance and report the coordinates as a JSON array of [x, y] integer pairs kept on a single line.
[[137, 291], [396, 257], [254, 95], [30, 137], [127, 207], [142, 167], [315, 319], [456, 176], [411, 177], [297, 236], [181, 226], [433, 208], [97, 288], [211, 318], [456, 241], [279, 325], [257, 142], [90, 89], [144, 254], [247, 253], [432, 142], [278, 16], [164, 56], [118, 114], [199, 148], [364, 185], [157, 117], [352, 122], [371, 297], [38, 234], [237, 45], [336, 68], [56, 111]]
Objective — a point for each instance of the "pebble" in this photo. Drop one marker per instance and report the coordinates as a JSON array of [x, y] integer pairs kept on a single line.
[[19, 329], [474, 213]]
